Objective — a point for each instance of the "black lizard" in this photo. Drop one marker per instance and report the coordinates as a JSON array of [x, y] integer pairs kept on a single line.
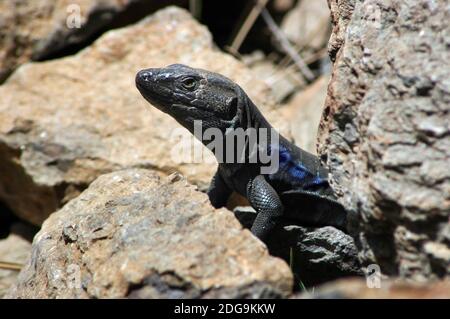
[[298, 189]]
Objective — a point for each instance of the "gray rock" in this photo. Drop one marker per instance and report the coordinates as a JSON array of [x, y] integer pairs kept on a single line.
[[133, 234], [385, 131], [316, 255]]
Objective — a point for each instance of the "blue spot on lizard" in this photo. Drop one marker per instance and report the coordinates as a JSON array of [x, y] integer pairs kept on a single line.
[[295, 169]]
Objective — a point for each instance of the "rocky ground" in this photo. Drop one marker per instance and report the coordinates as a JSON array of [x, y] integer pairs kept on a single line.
[[84, 158]]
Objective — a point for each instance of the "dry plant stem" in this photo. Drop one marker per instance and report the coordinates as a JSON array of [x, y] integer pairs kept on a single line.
[[247, 25], [286, 46], [281, 72], [195, 7], [10, 266]]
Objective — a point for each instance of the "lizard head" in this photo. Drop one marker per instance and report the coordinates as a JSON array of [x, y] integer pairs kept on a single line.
[[189, 95]]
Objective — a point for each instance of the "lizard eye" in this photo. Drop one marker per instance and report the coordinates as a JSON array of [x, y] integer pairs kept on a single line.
[[189, 83]]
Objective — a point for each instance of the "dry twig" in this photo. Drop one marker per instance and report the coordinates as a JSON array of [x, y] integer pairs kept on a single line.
[[10, 266], [247, 25], [286, 45]]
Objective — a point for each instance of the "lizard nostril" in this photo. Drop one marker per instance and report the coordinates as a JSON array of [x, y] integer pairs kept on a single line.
[[146, 76]]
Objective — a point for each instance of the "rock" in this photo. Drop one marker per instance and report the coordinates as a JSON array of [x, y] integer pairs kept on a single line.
[[283, 81], [308, 24], [341, 13], [385, 132], [304, 111], [65, 122], [35, 30], [7, 219], [316, 255], [358, 289], [134, 234], [13, 249], [283, 5]]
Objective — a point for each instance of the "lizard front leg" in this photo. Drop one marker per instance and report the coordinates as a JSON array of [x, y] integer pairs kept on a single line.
[[218, 191], [265, 200]]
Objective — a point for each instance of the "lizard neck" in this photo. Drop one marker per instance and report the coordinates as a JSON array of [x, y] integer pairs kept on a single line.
[[250, 136], [249, 115]]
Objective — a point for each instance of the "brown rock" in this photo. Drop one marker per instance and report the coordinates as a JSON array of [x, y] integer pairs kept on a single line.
[[385, 132], [133, 234], [308, 24], [37, 29], [358, 289], [65, 122], [341, 12], [283, 81], [13, 249], [304, 111]]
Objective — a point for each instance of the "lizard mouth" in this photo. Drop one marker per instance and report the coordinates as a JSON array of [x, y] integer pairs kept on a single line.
[[160, 99], [169, 100], [151, 90], [156, 101], [203, 112], [183, 107]]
